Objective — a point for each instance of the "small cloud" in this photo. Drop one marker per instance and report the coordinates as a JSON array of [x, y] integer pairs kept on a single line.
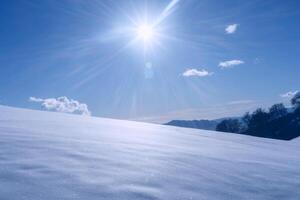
[[289, 94], [230, 29], [230, 63], [195, 72], [62, 104]]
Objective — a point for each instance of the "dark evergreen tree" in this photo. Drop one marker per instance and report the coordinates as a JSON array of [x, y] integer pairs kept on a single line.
[[258, 123], [295, 101], [277, 111], [277, 123]]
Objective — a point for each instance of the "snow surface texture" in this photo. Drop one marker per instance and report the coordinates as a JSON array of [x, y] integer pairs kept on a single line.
[[50, 156]]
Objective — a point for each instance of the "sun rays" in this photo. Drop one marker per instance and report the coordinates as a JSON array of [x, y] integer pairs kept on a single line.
[[145, 32]]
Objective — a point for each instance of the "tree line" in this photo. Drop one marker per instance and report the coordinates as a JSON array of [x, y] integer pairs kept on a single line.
[[277, 122]]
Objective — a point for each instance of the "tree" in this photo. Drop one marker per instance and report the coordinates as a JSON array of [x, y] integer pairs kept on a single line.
[[247, 118], [229, 125], [277, 111], [277, 123], [258, 122], [295, 101]]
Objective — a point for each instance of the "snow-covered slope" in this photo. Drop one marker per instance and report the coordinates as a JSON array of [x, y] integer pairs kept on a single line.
[[50, 156]]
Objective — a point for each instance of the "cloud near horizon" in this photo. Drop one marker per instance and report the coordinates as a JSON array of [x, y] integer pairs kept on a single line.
[[229, 109], [62, 104], [196, 72], [241, 102], [289, 94], [230, 63], [230, 29]]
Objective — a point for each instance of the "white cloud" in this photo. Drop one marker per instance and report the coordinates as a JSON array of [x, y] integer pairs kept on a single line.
[[195, 72], [230, 63], [289, 94], [230, 29], [62, 104]]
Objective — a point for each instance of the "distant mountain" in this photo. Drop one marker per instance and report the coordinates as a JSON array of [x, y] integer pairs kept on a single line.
[[204, 124], [199, 124]]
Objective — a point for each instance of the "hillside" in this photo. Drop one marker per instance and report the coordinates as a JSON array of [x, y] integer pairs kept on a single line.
[[50, 156]]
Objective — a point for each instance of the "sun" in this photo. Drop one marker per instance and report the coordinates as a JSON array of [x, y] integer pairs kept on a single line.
[[145, 32]]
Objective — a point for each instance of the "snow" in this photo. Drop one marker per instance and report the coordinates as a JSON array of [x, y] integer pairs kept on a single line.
[[46, 155]]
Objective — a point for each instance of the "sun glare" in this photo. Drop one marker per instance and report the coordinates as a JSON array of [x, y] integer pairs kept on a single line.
[[145, 32]]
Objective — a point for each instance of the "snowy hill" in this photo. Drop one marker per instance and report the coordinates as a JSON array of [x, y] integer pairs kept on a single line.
[[60, 156]]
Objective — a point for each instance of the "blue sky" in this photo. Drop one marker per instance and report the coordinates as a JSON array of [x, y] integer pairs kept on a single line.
[[206, 59]]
